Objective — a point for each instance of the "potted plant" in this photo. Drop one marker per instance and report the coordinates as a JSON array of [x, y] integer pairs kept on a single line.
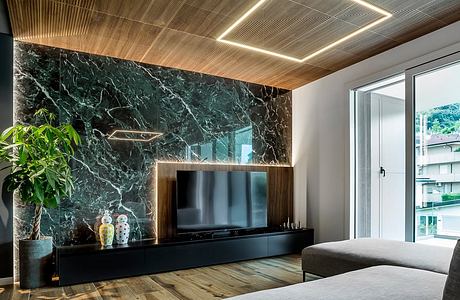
[[41, 175]]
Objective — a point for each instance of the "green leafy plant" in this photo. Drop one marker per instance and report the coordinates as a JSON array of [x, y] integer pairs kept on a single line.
[[450, 196], [40, 157]]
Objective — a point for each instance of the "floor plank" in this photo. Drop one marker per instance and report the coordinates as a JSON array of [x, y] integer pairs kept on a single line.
[[82, 291], [6, 292], [49, 293], [114, 289], [214, 282]]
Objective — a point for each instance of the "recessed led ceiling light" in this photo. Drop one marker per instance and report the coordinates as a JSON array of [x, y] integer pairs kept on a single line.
[[386, 15], [130, 135]]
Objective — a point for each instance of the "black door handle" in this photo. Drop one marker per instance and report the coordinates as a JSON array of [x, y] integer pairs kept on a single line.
[[382, 171]]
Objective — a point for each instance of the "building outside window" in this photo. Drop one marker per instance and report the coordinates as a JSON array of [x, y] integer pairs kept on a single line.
[[439, 171]]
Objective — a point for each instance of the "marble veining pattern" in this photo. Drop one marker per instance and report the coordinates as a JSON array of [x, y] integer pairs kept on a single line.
[[200, 116]]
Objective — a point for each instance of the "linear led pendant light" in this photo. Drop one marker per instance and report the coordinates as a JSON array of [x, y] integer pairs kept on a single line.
[[385, 15]]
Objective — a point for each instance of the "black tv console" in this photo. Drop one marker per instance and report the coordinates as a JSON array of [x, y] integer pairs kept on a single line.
[[88, 263]]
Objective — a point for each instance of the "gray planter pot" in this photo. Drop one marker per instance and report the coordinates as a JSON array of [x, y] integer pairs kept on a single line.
[[35, 262]]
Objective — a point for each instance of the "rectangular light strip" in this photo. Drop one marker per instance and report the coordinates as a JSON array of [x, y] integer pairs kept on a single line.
[[386, 15], [152, 134]]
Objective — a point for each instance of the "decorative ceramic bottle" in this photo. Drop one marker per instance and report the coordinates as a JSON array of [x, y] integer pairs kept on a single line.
[[106, 230], [122, 230]]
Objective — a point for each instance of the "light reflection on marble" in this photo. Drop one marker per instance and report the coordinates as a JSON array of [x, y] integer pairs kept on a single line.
[[100, 94]]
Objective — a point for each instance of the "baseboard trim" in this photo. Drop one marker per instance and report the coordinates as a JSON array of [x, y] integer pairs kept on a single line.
[[6, 281]]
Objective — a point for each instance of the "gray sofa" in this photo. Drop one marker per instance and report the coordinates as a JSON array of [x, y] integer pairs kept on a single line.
[[373, 269], [329, 259]]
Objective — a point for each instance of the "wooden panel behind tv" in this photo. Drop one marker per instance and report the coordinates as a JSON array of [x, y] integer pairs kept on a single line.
[[280, 191]]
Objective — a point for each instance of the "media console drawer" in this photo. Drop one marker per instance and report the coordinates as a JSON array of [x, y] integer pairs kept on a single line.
[[284, 244], [161, 259], [96, 266], [88, 263]]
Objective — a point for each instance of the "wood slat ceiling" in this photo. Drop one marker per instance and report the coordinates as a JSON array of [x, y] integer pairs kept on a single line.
[[182, 33]]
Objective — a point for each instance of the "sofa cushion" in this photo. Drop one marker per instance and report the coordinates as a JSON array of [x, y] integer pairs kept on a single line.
[[334, 258], [452, 288], [381, 282]]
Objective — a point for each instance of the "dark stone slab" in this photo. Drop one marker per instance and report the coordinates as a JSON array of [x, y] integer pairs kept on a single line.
[[202, 118]]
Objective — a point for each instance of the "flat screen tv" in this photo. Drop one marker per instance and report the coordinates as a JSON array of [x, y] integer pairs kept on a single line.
[[218, 200]]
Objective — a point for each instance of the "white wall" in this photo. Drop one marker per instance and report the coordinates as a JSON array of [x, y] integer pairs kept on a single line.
[[321, 131]]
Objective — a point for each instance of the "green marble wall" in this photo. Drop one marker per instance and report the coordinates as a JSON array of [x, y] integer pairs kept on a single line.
[[202, 118]]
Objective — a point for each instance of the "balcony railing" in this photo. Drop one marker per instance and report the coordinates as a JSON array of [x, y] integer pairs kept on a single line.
[[444, 177], [440, 158]]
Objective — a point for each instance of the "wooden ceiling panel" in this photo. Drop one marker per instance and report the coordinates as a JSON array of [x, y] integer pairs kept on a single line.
[[197, 21], [329, 7], [44, 18], [298, 74], [172, 49], [325, 34], [155, 12], [447, 13], [398, 7], [104, 35], [358, 15], [120, 37], [90, 31], [211, 57], [230, 8], [87, 4], [335, 59], [416, 23], [365, 42], [273, 31], [278, 29], [182, 33]]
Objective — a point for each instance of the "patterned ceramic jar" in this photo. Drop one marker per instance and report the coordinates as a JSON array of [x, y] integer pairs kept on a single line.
[[122, 230], [106, 230]]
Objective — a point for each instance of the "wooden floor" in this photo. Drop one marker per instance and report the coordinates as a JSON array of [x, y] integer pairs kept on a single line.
[[215, 282]]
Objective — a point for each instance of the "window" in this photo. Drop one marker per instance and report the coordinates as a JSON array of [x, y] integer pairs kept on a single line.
[[435, 135]]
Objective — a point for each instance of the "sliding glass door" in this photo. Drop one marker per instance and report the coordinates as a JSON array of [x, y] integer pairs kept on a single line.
[[406, 129], [433, 199]]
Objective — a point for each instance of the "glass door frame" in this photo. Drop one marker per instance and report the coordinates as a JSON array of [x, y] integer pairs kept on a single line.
[[411, 73], [377, 83]]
